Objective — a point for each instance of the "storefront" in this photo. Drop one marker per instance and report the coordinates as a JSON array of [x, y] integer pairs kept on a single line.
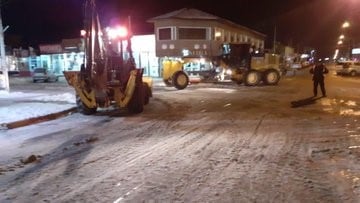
[[356, 54], [69, 55]]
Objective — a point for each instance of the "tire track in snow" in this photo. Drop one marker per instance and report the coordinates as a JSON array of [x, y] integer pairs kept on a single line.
[[168, 145]]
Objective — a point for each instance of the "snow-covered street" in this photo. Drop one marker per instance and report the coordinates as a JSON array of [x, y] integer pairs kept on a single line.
[[207, 143]]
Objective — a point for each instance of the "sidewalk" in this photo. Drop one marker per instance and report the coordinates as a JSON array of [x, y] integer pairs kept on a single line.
[[18, 109]]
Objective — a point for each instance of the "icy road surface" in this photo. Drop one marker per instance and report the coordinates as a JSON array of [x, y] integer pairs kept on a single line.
[[207, 143]]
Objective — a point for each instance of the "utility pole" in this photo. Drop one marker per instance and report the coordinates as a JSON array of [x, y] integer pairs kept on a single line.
[[3, 66], [274, 43]]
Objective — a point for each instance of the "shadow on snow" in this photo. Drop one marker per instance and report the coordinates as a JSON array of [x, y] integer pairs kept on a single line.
[[304, 102]]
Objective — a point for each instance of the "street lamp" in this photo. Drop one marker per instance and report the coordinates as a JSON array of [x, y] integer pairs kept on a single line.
[[346, 24]]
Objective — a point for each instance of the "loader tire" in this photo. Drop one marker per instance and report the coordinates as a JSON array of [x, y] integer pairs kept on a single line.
[[271, 77], [136, 103], [147, 93], [180, 80], [82, 108], [252, 78]]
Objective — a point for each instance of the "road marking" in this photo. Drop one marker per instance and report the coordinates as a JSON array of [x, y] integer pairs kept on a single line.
[[226, 105], [127, 194]]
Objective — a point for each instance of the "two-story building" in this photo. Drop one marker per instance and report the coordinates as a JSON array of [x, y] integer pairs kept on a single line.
[[197, 33], [190, 32]]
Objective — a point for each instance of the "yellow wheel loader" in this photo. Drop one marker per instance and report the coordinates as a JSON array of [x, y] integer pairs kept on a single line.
[[108, 76]]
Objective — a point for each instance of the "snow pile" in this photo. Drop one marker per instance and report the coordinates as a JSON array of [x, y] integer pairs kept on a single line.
[[21, 111], [66, 97], [13, 95], [34, 105]]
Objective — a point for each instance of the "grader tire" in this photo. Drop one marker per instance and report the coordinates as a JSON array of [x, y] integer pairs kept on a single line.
[[82, 108], [180, 80], [252, 78], [271, 77]]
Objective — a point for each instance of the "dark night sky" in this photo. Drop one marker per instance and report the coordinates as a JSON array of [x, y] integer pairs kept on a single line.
[[311, 23]]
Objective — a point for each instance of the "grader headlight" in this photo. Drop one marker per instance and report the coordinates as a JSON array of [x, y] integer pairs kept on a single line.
[[228, 72]]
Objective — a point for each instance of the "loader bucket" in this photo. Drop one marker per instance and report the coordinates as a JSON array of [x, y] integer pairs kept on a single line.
[[71, 77], [148, 81]]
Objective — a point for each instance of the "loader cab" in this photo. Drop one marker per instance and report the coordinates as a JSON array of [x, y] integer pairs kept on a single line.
[[119, 55]]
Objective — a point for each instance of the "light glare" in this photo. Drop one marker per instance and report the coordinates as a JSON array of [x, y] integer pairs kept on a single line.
[[118, 32], [83, 33], [346, 24]]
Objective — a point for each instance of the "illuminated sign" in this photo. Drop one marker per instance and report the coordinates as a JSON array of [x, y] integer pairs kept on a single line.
[[356, 51], [186, 52], [50, 48]]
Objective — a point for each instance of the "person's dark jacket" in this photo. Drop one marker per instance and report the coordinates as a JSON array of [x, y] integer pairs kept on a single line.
[[318, 72]]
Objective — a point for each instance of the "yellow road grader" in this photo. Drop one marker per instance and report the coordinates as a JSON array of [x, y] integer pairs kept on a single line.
[[108, 76], [237, 63]]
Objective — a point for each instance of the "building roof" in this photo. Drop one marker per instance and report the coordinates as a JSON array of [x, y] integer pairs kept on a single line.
[[186, 13], [195, 14]]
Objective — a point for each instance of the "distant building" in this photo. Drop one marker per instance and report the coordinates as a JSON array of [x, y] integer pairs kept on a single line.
[[356, 52], [69, 55], [54, 57], [191, 32], [197, 34]]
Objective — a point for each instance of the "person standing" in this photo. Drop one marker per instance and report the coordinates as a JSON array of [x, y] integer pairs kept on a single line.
[[318, 72]]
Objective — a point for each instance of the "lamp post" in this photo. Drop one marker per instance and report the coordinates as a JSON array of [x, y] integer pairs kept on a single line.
[[345, 26]]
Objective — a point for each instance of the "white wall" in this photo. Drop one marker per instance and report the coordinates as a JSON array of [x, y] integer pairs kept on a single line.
[[143, 47]]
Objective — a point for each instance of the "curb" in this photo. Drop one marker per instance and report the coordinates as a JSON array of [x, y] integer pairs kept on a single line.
[[30, 121]]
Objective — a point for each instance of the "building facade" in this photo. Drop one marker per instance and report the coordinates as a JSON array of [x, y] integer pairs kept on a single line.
[[191, 32]]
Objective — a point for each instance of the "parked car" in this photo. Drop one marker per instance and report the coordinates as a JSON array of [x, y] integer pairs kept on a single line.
[[351, 68], [42, 74], [296, 65]]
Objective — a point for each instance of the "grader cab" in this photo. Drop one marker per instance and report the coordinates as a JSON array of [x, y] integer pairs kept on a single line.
[[108, 76]]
